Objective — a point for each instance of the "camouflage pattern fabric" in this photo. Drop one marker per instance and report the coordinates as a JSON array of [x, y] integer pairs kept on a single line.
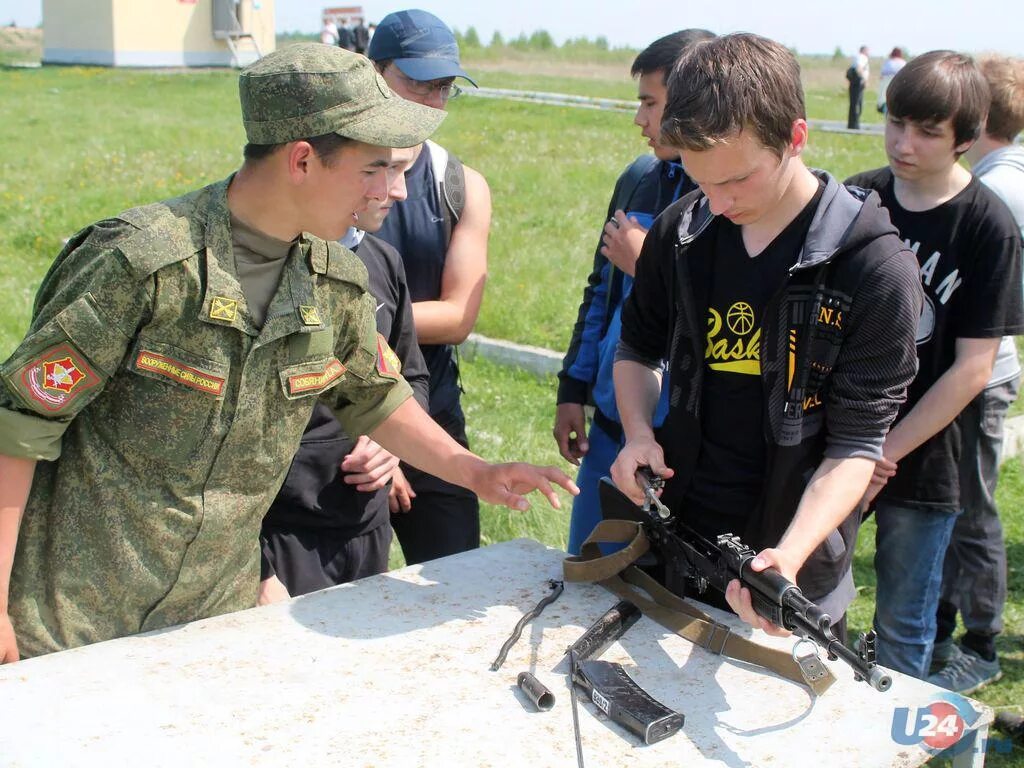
[[168, 420], [309, 89]]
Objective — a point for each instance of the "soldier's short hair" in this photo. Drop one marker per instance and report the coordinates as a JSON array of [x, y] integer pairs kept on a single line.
[[326, 147], [1005, 78], [937, 86], [733, 83]]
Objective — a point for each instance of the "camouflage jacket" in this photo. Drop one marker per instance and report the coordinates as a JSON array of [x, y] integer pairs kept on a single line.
[[165, 420]]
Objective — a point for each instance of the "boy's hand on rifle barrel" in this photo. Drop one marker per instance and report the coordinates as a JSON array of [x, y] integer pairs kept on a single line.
[[739, 597], [637, 453]]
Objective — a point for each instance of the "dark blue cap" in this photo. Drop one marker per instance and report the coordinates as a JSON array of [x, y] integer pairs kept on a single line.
[[419, 44]]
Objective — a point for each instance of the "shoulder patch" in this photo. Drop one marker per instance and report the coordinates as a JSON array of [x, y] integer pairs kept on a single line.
[[388, 364], [162, 241], [163, 233], [55, 378], [345, 266]]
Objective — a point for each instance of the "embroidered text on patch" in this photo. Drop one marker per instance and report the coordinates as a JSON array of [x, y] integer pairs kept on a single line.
[[306, 382], [180, 372], [57, 377]]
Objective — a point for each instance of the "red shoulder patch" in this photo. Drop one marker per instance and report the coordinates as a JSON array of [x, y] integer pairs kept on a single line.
[[57, 377], [388, 364]]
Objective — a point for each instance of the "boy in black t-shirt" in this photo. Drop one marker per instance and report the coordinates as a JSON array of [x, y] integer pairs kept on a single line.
[[786, 308], [968, 248]]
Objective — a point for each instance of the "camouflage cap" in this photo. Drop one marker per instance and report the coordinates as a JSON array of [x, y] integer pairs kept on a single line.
[[310, 89]]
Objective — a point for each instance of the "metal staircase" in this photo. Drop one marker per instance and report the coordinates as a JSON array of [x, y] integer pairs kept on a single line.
[[232, 24]]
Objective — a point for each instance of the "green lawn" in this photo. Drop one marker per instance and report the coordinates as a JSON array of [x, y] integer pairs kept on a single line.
[[152, 136], [85, 143]]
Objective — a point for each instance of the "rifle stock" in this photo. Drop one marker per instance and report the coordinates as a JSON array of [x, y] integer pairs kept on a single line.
[[701, 563]]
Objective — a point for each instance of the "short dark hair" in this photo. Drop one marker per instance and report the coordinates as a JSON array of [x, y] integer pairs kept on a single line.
[[729, 84], [941, 85], [326, 147], [896, 53], [665, 51], [1005, 78]]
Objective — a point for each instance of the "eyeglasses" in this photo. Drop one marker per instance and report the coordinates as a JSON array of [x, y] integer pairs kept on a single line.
[[448, 89]]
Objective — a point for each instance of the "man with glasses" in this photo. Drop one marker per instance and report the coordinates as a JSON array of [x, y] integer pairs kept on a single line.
[[441, 232]]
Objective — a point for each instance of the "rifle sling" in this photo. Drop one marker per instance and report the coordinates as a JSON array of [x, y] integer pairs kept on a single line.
[[617, 573]]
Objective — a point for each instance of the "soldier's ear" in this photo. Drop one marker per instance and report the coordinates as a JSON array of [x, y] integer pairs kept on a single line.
[[300, 157]]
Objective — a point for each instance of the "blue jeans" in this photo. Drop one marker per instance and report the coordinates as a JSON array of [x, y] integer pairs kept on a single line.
[[586, 508], [909, 549]]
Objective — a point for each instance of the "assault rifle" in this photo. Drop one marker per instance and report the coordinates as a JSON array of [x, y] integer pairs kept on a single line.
[[703, 563]]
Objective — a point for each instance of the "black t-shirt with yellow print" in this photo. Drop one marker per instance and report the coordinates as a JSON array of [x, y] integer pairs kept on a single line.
[[729, 475]]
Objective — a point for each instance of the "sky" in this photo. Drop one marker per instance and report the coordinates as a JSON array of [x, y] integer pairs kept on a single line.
[[810, 26]]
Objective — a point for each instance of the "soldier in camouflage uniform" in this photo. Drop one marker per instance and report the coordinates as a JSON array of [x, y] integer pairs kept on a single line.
[[149, 417]]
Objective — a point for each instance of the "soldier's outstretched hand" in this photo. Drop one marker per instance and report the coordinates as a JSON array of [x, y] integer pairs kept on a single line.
[[508, 484]]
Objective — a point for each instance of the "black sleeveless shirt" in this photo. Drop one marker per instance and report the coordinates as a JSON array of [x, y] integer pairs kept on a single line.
[[415, 227]]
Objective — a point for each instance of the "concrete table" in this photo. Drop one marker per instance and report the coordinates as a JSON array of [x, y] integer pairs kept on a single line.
[[394, 671]]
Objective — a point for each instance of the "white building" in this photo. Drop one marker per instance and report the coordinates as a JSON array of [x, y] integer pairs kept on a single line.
[[157, 33]]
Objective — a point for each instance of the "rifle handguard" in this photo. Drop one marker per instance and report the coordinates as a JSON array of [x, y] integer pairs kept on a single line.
[[706, 563]]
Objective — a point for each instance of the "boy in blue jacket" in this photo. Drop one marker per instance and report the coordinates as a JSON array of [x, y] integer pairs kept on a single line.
[[648, 186]]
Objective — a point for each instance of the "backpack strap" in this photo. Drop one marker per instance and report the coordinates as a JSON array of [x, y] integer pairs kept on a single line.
[[450, 178], [631, 180], [616, 573]]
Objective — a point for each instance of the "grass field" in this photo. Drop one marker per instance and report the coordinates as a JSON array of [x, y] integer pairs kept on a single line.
[[85, 143], [140, 136]]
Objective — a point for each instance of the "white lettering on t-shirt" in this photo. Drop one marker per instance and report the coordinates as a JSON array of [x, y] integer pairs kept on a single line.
[[928, 268], [947, 286], [944, 290]]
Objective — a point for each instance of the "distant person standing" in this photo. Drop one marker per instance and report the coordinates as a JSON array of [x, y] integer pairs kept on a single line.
[[441, 231], [361, 36], [329, 33], [857, 75], [892, 65], [346, 39]]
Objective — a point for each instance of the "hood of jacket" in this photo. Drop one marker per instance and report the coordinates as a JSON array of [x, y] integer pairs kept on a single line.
[[1010, 157], [847, 218]]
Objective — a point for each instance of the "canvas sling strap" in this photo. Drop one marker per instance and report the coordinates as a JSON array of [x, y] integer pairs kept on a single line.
[[617, 573]]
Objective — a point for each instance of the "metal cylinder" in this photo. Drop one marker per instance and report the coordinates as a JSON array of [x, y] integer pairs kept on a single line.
[[536, 691]]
